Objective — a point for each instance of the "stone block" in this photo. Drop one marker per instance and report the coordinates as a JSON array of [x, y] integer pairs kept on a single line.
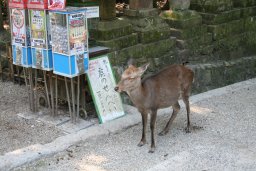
[[244, 3], [218, 31], [211, 18], [194, 43], [235, 27], [159, 48], [146, 24], [154, 35], [189, 32], [122, 56], [141, 12], [219, 74], [204, 50], [250, 43], [181, 19], [168, 58], [187, 23], [183, 55], [121, 42], [212, 6], [227, 46], [110, 33], [248, 11]]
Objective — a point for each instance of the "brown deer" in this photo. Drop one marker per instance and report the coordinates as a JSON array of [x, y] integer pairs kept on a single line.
[[155, 92]]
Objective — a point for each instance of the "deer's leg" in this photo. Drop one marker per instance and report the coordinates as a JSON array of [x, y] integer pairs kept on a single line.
[[144, 116], [176, 109], [186, 101], [152, 128]]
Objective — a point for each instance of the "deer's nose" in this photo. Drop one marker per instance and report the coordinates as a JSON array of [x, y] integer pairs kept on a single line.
[[116, 88]]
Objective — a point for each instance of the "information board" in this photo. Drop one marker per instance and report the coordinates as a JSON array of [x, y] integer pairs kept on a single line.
[[102, 83]]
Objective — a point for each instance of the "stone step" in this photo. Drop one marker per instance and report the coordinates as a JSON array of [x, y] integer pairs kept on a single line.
[[248, 11], [244, 3], [204, 39], [148, 23], [141, 13], [159, 48], [226, 16], [169, 57], [218, 74], [228, 45], [120, 42], [189, 33], [111, 33], [122, 56], [221, 31], [143, 52], [154, 35], [182, 19], [250, 42], [212, 6]]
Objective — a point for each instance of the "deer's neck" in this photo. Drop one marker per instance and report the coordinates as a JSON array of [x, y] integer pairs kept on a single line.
[[137, 95]]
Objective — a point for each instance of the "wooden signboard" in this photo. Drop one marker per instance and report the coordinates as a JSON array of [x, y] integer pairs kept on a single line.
[[102, 83]]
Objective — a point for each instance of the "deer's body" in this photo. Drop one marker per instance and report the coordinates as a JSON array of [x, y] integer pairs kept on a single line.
[[157, 91]]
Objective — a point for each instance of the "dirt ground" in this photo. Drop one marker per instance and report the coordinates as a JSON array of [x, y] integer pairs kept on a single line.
[[17, 132]]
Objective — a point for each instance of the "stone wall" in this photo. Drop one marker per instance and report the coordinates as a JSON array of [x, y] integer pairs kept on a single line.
[[232, 25], [217, 38]]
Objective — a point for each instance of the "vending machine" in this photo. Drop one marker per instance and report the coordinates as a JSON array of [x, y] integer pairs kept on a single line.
[[41, 48], [69, 41], [20, 33]]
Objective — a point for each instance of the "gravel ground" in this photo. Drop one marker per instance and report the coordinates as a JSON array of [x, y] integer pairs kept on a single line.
[[17, 132], [223, 138]]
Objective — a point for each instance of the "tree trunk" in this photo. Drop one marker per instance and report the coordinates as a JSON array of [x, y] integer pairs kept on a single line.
[[107, 9]]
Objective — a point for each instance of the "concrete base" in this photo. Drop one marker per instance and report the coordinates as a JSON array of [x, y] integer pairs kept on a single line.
[[69, 127], [61, 122]]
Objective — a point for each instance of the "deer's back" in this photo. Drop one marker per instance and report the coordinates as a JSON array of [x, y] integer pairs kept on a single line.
[[165, 87]]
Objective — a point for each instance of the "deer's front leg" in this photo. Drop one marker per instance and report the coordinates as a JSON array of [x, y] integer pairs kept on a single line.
[[152, 128], [143, 140]]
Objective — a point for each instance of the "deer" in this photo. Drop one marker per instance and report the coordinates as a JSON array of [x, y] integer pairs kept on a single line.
[[160, 90]]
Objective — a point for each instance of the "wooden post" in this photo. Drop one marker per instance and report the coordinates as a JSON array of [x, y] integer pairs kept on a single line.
[[68, 98], [56, 95], [46, 90], [78, 97], [52, 95]]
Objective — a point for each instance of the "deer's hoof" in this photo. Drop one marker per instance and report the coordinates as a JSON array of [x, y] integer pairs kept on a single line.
[[141, 144], [187, 129], [152, 150], [163, 133]]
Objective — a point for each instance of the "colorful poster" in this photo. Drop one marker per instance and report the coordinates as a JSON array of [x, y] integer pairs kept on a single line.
[[38, 30], [77, 33], [18, 27]]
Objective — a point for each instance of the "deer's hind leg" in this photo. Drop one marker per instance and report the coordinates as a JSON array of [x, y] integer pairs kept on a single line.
[[176, 109], [185, 98]]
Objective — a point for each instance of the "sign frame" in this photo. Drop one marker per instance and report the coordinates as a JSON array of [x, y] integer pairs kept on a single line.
[[103, 118]]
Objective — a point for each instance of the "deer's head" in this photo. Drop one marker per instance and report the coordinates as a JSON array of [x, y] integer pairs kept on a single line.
[[131, 78]]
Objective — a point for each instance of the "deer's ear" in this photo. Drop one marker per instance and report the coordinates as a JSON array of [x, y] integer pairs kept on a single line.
[[144, 67]]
